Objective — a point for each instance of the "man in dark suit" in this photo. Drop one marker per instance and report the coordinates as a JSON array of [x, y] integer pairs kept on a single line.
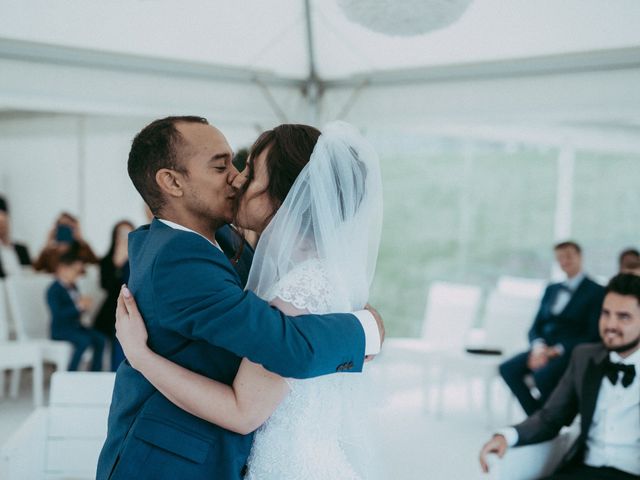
[[601, 384], [13, 256], [198, 315], [568, 316]]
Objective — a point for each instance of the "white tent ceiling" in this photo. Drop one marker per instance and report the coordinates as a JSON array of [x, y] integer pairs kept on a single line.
[[271, 35], [545, 62]]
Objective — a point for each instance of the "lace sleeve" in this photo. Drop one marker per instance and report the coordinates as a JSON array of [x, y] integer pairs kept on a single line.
[[306, 287]]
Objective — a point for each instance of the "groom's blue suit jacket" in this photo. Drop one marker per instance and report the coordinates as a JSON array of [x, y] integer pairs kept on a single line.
[[198, 315]]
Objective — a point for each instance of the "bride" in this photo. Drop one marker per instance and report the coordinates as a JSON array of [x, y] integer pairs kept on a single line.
[[315, 198]]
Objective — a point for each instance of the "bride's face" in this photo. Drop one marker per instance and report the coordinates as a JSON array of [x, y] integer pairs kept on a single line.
[[255, 207]]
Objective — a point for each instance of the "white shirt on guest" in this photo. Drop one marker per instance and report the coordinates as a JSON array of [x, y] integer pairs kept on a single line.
[[369, 324], [563, 297], [10, 261], [614, 436]]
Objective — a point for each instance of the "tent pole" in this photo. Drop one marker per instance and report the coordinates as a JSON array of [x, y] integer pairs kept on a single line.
[[313, 88], [282, 116]]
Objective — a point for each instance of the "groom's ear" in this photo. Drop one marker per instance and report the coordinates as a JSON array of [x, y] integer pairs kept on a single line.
[[169, 182]]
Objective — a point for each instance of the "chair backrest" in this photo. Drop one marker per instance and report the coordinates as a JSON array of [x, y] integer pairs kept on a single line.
[[4, 313], [450, 312], [26, 295], [77, 428], [506, 320], [89, 285], [521, 286]]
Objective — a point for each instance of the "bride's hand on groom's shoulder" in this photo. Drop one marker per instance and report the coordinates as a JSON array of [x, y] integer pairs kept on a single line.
[[130, 328], [380, 324]]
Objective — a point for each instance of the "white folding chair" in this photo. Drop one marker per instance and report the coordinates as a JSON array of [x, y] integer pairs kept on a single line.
[[89, 285], [450, 311], [16, 355], [64, 440], [532, 462], [506, 318], [521, 286], [27, 303]]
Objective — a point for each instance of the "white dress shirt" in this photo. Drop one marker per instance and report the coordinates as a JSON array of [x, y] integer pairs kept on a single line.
[[563, 297], [366, 319], [10, 261], [614, 436]]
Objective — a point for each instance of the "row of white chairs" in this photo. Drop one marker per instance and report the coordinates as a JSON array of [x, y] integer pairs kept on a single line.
[[449, 329], [63, 440], [24, 329]]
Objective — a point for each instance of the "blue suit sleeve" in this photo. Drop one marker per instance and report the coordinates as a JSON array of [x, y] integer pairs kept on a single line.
[[207, 303], [62, 308], [536, 328]]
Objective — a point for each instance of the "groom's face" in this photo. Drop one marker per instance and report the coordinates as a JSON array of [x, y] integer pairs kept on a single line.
[[206, 155]]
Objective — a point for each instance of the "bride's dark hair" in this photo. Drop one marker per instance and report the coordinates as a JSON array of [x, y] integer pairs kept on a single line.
[[289, 149]]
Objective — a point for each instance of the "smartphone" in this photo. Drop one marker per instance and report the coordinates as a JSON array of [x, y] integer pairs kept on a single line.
[[64, 234]]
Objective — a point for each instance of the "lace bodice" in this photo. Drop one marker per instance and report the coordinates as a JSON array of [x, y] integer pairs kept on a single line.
[[303, 438], [306, 287]]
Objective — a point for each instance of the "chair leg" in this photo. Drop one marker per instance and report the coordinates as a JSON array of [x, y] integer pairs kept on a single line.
[[37, 385], [509, 408], [2, 374], [469, 385], [14, 386], [426, 388], [488, 405], [440, 395]]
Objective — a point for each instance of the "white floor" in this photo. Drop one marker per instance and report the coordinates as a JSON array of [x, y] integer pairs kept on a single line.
[[409, 443]]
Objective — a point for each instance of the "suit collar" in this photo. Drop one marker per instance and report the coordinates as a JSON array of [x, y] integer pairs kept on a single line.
[[594, 374], [576, 292]]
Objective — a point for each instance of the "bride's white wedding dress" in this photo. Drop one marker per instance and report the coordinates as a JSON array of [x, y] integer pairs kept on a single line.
[[306, 438], [318, 253]]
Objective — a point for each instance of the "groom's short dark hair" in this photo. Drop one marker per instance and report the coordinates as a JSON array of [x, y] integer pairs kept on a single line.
[[153, 148]]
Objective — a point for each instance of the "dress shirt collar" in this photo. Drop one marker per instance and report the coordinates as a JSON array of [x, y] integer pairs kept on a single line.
[[633, 359], [176, 226], [574, 282]]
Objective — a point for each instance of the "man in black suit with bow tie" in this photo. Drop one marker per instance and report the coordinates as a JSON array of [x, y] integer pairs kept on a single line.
[[601, 384], [568, 316]]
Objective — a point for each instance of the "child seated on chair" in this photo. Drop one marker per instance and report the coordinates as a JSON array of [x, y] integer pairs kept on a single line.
[[66, 306]]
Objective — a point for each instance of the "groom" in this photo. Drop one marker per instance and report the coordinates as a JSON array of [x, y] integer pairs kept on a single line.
[[198, 315]]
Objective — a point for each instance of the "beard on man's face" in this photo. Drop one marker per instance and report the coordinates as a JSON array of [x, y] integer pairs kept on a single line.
[[619, 348]]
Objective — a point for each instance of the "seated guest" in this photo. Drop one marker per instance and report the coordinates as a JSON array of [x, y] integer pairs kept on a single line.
[[568, 316], [13, 256], [602, 384], [65, 231], [632, 267], [114, 272], [628, 259], [67, 305]]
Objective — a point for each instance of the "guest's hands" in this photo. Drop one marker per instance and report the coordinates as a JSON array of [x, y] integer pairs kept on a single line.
[[497, 445], [130, 329], [538, 358], [85, 303], [380, 324]]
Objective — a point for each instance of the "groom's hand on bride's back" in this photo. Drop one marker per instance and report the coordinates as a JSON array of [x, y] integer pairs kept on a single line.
[[380, 324]]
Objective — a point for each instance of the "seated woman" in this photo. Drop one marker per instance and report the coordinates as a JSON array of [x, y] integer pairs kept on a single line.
[[64, 233], [114, 272]]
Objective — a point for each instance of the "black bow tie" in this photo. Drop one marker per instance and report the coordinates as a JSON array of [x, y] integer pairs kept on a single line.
[[566, 288], [611, 371]]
